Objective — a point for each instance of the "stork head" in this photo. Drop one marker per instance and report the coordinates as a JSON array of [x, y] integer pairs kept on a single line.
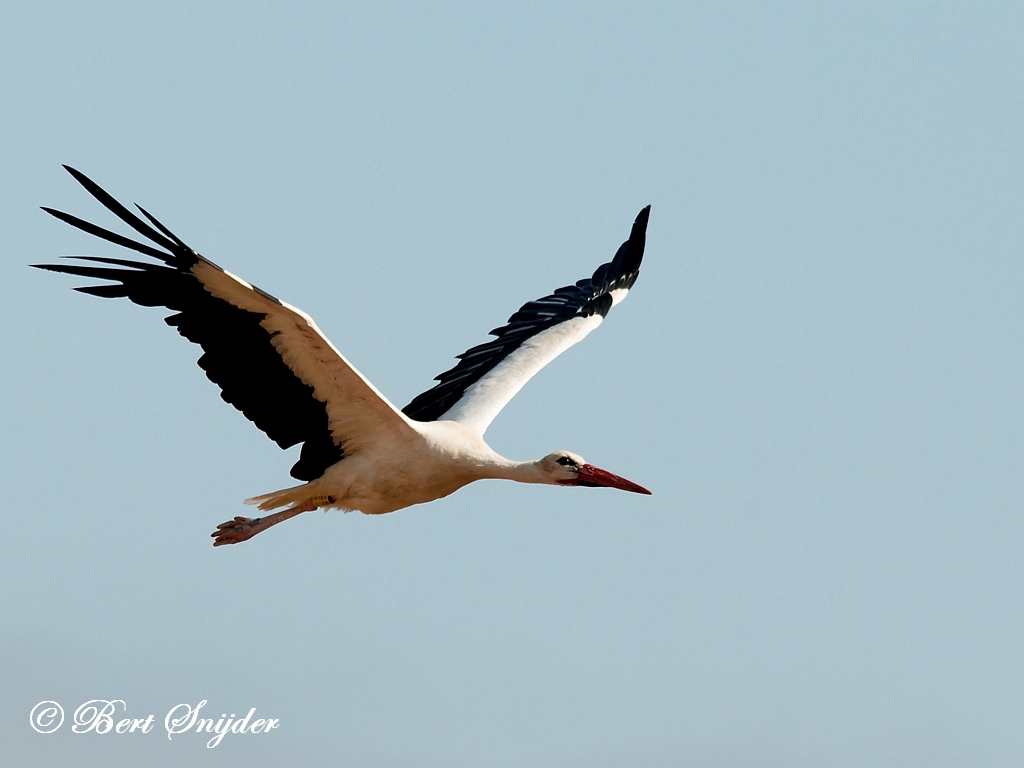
[[567, 468]]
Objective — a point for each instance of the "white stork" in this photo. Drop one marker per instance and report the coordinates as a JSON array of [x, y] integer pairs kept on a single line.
[[359, 452]]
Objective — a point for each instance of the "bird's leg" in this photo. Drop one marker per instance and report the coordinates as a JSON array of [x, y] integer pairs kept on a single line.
[[243, 528]]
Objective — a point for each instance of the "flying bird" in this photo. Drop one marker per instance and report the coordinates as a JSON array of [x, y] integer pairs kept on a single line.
[[359, 452]]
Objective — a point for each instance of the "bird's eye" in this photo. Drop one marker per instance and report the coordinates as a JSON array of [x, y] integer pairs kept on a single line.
[[566, 461]]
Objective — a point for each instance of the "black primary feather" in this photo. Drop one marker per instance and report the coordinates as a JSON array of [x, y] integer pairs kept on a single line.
[[587, 297], [237, 352]]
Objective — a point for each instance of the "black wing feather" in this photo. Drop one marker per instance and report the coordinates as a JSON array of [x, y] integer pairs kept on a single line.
[[106, 234], [237, 352], [119, 210], [585, 298], [161, 227]]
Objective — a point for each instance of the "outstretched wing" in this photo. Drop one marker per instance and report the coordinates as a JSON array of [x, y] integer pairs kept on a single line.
[[269, 359], [489, 375]]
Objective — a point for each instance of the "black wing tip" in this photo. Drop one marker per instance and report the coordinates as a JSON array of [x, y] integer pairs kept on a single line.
[[641, 219], [111, 204], [162, 228], [58, 214], [624, 268], [91, 186], [58, 267], [80, 177]]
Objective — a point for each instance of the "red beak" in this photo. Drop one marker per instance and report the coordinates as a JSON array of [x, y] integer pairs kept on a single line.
[[594, 477]]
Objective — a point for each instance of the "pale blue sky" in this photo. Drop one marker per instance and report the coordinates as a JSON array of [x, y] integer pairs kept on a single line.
[[820, 374]]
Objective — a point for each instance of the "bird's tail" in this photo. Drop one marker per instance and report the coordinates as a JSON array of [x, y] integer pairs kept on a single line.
[[294, 495]]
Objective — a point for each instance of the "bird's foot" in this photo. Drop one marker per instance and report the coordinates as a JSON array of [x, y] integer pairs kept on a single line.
[[244, 528], [237, 530]]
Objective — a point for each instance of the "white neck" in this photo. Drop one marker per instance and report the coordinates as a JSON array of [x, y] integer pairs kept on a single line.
[[455, 444], [519, 471]]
